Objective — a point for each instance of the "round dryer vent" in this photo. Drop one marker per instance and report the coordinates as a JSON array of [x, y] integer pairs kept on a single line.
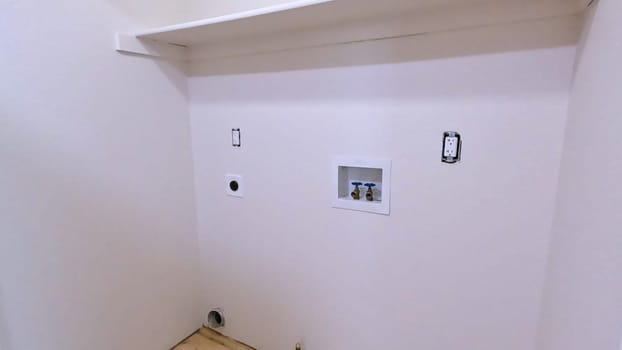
[[216, 318]]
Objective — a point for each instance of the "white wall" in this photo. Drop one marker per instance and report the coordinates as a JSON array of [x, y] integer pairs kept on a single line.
[[153, 13], [201, 9], [583, 308], [97, 226], [459, 263]]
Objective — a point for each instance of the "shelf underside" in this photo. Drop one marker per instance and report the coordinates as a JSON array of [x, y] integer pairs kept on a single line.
[[312, 23]]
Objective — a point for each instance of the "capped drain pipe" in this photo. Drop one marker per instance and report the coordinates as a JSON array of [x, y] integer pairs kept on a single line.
[[216, 318]]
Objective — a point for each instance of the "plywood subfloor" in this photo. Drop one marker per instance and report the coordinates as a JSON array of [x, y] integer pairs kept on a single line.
[[208, 339]]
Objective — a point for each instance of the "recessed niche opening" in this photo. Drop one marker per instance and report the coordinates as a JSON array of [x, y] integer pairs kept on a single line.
[[362, 184], [366, 182]]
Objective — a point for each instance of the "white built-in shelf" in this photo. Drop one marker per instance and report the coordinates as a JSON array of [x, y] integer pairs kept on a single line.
[[312, 23]]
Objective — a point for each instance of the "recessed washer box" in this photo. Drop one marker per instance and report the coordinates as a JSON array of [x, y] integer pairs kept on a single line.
[[349, 170]]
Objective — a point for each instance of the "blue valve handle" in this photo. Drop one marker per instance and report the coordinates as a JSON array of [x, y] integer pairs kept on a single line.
[[369, 184], [357, 183]]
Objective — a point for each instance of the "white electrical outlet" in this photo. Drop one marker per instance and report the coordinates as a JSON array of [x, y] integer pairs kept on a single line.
[[452, 144], [451, 147]]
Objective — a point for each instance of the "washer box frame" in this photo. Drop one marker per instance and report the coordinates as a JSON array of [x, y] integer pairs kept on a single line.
[[380, 207]]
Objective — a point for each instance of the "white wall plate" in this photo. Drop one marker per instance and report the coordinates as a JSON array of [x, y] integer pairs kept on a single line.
[[234, 185]]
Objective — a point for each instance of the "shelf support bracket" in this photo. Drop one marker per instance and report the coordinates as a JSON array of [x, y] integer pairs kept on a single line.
[[130, 44]]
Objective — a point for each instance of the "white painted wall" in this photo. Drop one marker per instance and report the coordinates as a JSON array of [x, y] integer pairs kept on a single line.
[[460, 262], [154, 13], [202, 9], [98, 245], [583, 308], [97, 226]]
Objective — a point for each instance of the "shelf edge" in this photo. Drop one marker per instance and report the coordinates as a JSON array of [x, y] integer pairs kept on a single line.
[[130, 44], [233, 17]]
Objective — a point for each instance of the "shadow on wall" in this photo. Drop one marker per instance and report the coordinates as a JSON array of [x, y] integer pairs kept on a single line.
[[519, 36]]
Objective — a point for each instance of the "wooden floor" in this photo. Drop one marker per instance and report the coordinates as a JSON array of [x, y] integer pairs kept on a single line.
[[208, 339]]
